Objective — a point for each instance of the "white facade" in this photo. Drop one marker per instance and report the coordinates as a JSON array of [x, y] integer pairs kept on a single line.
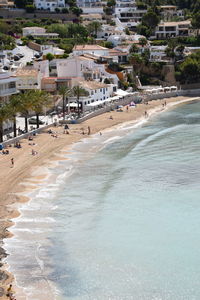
[[84, 68], [172, 29], [98, 93], [28, 79], [7, 86], [128, 13], [158, 54], [50, 5], [90, 49], [42, 67], [89, 3], [33, 30]]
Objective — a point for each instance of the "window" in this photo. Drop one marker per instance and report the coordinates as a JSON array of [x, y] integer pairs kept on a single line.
[[12, 85]]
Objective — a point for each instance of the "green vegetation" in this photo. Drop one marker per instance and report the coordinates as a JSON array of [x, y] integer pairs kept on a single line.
[[189, 70], [24, 103], [79, 92], [7, 42]]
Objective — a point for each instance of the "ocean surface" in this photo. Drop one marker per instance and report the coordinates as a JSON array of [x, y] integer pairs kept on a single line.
[[120, 219]]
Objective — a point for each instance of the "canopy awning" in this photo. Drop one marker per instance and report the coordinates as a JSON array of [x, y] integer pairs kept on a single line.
[[96, 103]]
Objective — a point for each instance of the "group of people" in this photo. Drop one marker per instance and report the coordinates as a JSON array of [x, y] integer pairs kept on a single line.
[[18, 145], [6, 152]]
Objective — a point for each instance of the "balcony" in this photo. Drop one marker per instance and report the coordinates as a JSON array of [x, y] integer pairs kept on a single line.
[[8, 92]]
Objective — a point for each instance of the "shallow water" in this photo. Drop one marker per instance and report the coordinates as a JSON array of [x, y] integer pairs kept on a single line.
[[120, 223]]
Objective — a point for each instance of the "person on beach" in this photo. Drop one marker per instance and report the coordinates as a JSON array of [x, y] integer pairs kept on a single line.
[[10, 292], [146, 114], [100, 133], [111, 117], [89, 131], [165, 103], [127, 108], [12, 162]]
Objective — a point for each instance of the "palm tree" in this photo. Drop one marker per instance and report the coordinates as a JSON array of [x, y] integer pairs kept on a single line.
[[137, 62], [79, 92], [25, 106], [5, 114], [94, 27], [65, 92], [143, 42], [14, 105], [41, 99]]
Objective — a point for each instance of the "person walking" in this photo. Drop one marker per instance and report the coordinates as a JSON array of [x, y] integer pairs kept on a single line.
[[12, 162]]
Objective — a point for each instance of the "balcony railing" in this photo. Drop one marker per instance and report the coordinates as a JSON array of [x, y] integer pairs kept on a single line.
[[8, 92]]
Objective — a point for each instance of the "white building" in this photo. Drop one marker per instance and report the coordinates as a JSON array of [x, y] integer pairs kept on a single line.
[[38, 32], [158, 54], [42, 67], [98, 93], [8, 86], [85, 68], [169, 11], [127, 13], [90, 49], [50, 5], [28, 79], [173, 29]]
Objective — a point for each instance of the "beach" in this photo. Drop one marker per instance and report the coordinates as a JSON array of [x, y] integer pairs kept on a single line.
[[31, 168]]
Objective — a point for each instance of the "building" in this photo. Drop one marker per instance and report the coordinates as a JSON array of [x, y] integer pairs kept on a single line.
[[7, 89], [169, 11], [38, 32], [5, 4], [98, 93], [8, 86], [50, 5], [90, 49], [28, 79], [128, 14], [84, 67], [158, 54], [173, 29]]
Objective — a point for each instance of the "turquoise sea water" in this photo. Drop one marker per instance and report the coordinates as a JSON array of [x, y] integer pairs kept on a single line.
[[122, 223]]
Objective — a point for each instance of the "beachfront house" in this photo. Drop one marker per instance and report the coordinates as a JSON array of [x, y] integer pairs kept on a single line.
[[8, 88], [98, 93]]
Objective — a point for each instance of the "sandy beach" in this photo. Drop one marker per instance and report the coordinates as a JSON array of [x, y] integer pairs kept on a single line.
[[31, 168]]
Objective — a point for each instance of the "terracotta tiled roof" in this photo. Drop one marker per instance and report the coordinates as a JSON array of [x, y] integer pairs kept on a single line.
[[26, 72], [92, 85], [88, 47]]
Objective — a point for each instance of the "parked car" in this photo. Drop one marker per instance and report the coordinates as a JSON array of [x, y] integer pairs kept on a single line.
[[33, 121], [16, 58]]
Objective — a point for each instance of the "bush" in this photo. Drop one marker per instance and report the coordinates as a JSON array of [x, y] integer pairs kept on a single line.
[[108, 45], [65, 11], [50, 56], [30, 8]]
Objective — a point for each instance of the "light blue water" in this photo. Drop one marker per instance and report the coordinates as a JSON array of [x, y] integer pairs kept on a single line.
[[126, 224]]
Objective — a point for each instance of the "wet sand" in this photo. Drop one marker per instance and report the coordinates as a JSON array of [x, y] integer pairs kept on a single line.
[[29, 169]]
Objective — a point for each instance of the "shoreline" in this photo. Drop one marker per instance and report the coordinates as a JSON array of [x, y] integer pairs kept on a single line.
[[15, 182]]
